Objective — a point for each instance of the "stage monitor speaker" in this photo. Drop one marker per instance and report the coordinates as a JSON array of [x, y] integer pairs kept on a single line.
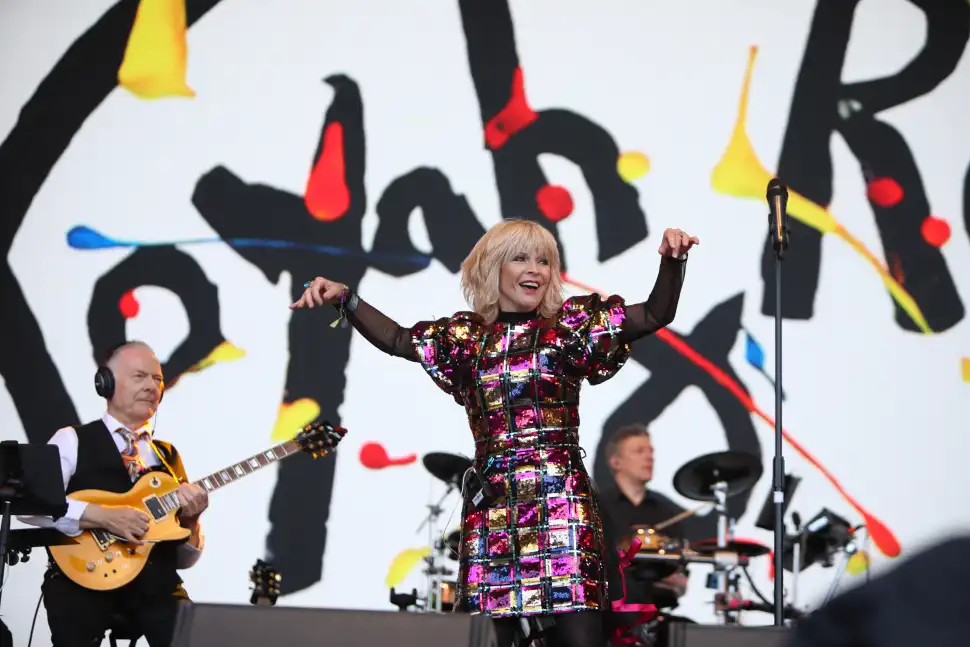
[[691, 635], [212, 625]]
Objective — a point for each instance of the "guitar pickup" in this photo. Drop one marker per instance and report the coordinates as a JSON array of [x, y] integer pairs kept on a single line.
[[103, 539], [154, 507]]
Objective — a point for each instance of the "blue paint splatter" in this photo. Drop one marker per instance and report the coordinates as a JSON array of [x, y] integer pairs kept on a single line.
[[755, 354], [82, 237]]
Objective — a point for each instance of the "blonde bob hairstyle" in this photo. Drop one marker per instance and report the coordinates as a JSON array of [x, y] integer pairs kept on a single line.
[[481, 270]]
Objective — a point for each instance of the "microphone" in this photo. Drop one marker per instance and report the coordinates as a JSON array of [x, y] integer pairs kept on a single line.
[[777, 197]]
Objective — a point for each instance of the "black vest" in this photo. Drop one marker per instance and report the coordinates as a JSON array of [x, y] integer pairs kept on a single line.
[[100, 467]]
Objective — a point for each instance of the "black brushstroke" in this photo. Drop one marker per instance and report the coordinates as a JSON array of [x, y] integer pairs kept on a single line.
[[449, 219], [493, 59], [64, 99], [164, 267], [915, 264], [670, 374], [806, 164], [319, 354]]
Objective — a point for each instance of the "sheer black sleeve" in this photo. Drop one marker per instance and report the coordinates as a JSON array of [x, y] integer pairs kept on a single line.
[[658, 310], [382, 331]]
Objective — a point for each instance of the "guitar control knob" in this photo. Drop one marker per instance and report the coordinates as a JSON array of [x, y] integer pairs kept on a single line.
[[109, 556], [90, 566]]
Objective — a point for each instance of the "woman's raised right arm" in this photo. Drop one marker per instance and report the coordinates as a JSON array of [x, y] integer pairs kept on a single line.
[[380, 330]]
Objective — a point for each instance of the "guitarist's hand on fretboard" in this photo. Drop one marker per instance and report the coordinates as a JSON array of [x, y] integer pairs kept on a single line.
[[194, 500]]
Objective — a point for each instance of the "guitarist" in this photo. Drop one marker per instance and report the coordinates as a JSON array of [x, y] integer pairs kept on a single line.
[[110, 454]]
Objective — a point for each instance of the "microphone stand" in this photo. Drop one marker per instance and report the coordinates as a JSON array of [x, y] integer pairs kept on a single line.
[[777, 196]]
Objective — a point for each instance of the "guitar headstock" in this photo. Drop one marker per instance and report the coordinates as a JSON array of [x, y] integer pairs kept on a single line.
[[266, 583], [320, 438]]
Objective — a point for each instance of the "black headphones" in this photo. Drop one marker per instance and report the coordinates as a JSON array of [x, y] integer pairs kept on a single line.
[[104, 378]]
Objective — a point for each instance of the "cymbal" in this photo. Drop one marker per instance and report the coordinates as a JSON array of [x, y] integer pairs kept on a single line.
[[695, 479], [742, 547], [447, 467]]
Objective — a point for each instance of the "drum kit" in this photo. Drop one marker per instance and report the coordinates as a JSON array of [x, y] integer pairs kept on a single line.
[[711, 479]]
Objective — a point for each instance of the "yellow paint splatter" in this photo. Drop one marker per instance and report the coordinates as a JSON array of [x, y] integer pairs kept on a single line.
[[155, 58], [741, 174], [293, 417], [858, 563], [633, 165], [224, 352], [404, 563]]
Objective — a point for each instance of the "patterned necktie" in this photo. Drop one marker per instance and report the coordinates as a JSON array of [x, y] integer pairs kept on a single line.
[[130, 454]]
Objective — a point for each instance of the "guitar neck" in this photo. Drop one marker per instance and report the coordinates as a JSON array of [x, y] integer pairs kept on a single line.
[[236, 471], [249, 465]]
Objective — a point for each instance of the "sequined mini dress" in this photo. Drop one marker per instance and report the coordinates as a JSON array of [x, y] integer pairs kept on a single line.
[[538, 547]]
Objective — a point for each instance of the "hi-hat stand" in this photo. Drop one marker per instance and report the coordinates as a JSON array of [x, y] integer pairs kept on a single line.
[[777, 196], [726, 584], [435, 571]]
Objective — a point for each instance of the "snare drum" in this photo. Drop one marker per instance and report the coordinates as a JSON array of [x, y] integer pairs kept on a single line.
[[652, 541]]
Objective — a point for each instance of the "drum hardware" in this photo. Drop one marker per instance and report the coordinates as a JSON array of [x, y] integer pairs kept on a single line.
[[728, 603], [815, 542], [433, 571], [742, 547], [445, 596], [728, 600], [724, 560], [450, 469], [715, 478]]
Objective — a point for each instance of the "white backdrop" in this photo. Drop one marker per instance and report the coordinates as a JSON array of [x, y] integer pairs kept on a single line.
[[881, 408]]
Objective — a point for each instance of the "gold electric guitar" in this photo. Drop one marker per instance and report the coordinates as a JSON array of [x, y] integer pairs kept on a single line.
[[100, 561], [266, 584]]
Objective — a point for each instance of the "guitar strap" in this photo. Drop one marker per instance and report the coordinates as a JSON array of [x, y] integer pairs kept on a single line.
[[168, 467]]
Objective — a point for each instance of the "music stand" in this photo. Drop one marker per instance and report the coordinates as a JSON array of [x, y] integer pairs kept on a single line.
[[30, 484]]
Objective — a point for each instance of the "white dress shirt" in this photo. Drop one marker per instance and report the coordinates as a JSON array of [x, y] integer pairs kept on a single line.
[[70, 524]]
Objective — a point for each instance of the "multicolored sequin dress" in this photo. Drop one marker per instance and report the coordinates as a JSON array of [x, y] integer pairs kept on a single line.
[[538, 548]]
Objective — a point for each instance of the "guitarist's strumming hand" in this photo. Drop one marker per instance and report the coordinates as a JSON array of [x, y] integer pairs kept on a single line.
[[122, 521]]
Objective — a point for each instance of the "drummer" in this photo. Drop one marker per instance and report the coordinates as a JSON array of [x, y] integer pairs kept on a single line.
[[628, 502]]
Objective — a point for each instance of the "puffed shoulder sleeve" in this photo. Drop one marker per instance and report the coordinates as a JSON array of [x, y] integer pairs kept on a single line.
[[442, 347], [597, 324]]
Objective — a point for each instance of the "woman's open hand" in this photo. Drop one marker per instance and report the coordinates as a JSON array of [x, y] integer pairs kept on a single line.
[[319, 292]]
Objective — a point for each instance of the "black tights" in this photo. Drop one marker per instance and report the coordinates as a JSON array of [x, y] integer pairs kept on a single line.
[[577, 629]]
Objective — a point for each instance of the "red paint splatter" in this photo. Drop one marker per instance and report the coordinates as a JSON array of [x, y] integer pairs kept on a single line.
[[128, 305], [327, 197], [554, 202], [881, 536], [373, 456], [936, 231], [515, 116], [885, 192]]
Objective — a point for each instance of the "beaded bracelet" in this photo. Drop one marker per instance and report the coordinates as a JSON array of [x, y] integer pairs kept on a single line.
[[347, 303]]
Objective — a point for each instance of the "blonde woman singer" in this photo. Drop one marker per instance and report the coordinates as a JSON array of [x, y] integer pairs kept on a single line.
[[516, 363]]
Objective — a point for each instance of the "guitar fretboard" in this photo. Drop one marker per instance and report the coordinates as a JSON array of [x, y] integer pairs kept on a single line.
[[236, 471]]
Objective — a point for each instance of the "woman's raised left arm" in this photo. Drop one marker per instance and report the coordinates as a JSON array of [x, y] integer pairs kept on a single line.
[[658, 310]]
